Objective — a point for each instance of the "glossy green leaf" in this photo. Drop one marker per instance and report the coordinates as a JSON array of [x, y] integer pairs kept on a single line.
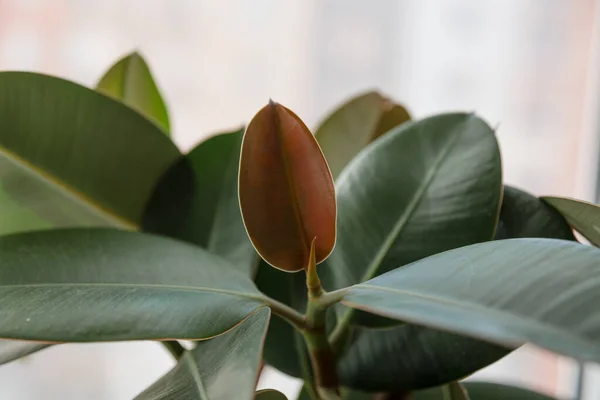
[[286, 191], [410, 357], [509, 292], [445, 187], [225, 367], [451, 391], [584, 217], [81, 285], [269, 394], [130, 81], [73, 157], [55, 140], [437, 179], [354, 125], [523, 215], [197, 201], [496, 391]]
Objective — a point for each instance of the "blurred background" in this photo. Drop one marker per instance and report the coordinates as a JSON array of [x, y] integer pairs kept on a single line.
[[530, 67]]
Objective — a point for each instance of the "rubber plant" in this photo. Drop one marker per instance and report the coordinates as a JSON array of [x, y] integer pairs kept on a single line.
[[396, 274]]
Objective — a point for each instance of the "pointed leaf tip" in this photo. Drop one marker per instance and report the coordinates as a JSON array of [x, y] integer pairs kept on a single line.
[[286, 190]]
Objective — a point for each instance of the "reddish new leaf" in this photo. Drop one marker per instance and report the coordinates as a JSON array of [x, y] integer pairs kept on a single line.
[[286, 191]]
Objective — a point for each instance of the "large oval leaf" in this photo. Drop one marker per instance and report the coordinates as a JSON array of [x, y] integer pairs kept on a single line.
[[286, 190], [56, 138], [269, 394], [81, 285], [411, 357], [197, 201], [224, 367], [496, 391], [73, 157], [130, 81], [509, 292], [584, 217], [451, 391], [439, 179], [354, 125], [523, 215]]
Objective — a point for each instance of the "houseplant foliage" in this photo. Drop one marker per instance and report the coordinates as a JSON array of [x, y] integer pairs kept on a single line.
[[396, 273]]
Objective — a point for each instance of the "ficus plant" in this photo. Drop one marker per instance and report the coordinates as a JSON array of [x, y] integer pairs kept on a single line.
[[380, 258]]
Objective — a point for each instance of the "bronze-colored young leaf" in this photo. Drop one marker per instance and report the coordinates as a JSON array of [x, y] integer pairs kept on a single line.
[[130, 81], [286, 191], [354, 125]]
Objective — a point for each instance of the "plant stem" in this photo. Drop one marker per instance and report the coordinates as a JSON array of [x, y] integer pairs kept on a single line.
[[315, 335], [286, 312], [321, 354], [174, 348]]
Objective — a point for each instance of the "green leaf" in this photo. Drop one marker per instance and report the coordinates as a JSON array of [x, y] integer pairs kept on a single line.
[[451, 391], [225, 367], [584, 217], [11, 350], [130, 81], [509, 292], [411, 357], [73, 157], [438, 179], [496, 391], [524, 215], [269, 394], [445, 187], [354, 125], [197, 201], [82, 285]]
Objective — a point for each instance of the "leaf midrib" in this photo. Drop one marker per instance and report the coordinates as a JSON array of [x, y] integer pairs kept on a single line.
[[387, 244], [67, 190], [410, 210], [200, 289], [468, 305], [194, 368]]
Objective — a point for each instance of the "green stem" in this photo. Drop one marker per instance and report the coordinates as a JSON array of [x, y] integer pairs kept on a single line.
[[286, 312], [174, 348], [321, 354]]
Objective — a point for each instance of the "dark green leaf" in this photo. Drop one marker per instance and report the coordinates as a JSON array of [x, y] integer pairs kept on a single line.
[[509, 292], [269, 394], [130, 81], [582, 216], [81, 285], [411, 357], [354, 125], [225, 367], [451, 391], [197, 201], [496, 391], [523, 215], [70, 156], [445, 188]]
